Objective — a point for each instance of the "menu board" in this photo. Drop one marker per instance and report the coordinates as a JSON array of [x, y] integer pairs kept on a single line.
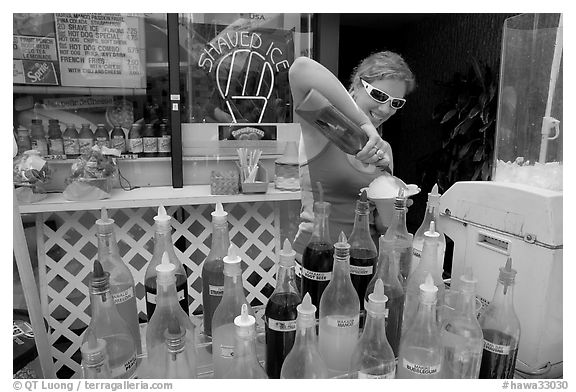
[[101, 50]]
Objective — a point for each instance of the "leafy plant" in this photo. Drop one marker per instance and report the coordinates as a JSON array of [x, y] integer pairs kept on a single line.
[[467, 119]]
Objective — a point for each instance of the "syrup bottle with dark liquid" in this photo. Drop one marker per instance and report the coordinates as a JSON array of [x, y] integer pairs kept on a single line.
[[163, 243], [280, 314], [318, 257], [501, 329], [363, 252]]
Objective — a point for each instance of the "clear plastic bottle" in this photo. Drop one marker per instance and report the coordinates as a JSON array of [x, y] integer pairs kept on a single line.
[[38, 137], [170, 333], [461, 334], [163, 243], [280, 313], [55, 141], [363, 252], [71, 143], [398, 233], [432, 214], [107, 324], [501, 328], [304, 360], [213, 267], [24, 142], [118, 139], [227, 310], [245, 363], [94, 358], [101, 135], [135, 144], [86, 139], [373, 356], [149, 141], [420, 349], [318, 257], [164, 140], [121, 279], [167, 308], [339, 313], [427, 266], [388, 271]]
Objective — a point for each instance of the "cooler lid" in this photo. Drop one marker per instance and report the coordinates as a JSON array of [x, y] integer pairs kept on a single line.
[[515, 209]]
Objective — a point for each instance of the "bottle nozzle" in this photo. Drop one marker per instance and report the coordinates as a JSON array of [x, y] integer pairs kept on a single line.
[[342, 238], [103, 214], [377, 300], [428, 290], [432, 233], [342, 247], [98, 271], [245, 322], [306, 307], [219, 211], [105, 223], [507, 274], [364, 196], [287, 254], [162, 217], [232, 256], [165, 270]]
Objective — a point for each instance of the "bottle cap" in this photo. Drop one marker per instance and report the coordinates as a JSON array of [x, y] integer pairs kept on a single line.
[[434, 196], [174, 336], [342, 247], [287, 254], [377, 300], [219, 215], [428, 290], [362, 204], [507, 274], [105, 224], [93, 349], [400, 201], [100, 279], [165, 270], [232, 256], [432, 233], [162, 218], [306, 307], [245, 322]]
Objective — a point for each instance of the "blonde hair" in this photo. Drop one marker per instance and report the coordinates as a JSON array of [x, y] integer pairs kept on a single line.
[[382, 65]]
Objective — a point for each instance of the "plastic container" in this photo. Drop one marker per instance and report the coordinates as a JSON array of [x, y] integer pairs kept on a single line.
[[287, 169], [529, 135]]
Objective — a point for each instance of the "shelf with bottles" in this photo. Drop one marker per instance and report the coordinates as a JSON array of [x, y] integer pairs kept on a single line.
[[19, 89]]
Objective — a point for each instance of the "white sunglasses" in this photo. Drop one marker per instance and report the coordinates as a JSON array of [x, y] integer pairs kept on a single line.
[[381, 96]]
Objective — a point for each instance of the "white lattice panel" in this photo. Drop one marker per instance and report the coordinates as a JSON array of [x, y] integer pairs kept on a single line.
[[67, 247]]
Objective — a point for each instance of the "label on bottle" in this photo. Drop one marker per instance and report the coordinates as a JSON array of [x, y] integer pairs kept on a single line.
[[71, 146], [102, 142], [135, 145], [119, 143], [315, 275], [423, 370], [56, 146], [281, 326], [120, 371], [150, 144], [123, 296], [165, 143], [364, 375], [85, 145], [416, 252], [216, 291], [40, 145], [226, 351], [151, 297], [298, 269], [359, 270], [496, 348], [339, 322]]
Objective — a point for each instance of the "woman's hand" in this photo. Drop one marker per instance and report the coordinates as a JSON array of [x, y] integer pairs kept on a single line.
[[376, 151]]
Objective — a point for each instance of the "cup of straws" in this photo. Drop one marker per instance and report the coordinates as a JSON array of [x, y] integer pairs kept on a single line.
[[253, 176]]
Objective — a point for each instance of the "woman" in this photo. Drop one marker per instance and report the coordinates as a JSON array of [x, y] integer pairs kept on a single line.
[[378, 87]]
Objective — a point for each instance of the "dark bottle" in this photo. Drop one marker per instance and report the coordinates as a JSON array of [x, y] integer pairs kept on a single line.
[[118, 139], [164, 140], [101, 135], [38, 137], [388, 271], [86, 139], [501, 329], [363, 252], [149, 141], [55, 141], [24, 142], [135, 140], [163, 243], [213, 267], [71, 143], [280, 314], [318, 257]]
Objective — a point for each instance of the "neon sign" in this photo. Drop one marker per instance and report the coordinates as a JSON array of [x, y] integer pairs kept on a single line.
[[244, 65]]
